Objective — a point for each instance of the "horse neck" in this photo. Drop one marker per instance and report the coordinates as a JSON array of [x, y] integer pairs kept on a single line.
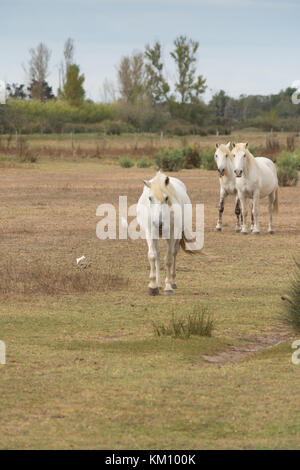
[[250, 165]]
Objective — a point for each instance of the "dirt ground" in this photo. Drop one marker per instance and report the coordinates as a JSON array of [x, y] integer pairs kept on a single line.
[[47, 220]]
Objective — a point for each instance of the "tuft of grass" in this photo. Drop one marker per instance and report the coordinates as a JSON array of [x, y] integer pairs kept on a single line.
[[293, 300], [198, 323], [126, 162]]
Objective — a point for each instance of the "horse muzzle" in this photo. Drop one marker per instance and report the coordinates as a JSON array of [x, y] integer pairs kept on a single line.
[[221, 172], [238, 173]]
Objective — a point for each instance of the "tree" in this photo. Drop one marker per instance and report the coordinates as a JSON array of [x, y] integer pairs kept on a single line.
[[38, 70], [131, 77], [73, 89], [68, 60], [45, 89], [156, 85], [188, 85], [218, 104], [16, 91]]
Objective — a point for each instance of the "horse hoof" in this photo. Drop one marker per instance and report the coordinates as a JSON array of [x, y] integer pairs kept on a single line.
[[168, 292], [218, 230], [271, 232], [238, 230], [255, 233], [154, 291], [174, 286], [244, 233]]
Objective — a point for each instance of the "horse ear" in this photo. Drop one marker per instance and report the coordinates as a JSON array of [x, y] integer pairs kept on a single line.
[[233, 144], [167, 180], [246, 145], [228, 145], [147, 183], [217, 145]]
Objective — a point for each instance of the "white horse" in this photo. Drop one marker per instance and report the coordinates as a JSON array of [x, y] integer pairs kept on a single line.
[[255, 178], [158, 216], [223, 158]]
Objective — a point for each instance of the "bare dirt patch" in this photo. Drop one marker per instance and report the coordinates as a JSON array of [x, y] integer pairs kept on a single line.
[[254, 345]]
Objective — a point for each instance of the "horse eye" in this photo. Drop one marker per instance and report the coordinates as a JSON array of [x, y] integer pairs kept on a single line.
[[150, 198], [166, 199], [244, 155], [216, 155], [234, 155]]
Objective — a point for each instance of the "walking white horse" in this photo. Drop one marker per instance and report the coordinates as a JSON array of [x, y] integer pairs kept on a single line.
[[224, 161], [255, 178], [164, 210]]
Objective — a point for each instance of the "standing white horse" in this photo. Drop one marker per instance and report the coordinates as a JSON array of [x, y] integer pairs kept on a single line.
[[255, 178], [223, 158], [164, 210]]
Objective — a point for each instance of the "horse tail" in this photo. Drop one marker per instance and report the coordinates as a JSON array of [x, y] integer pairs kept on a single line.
[[276, 202], [183, 244]]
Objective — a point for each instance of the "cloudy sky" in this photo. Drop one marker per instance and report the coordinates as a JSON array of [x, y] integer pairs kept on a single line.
[[246, 46]]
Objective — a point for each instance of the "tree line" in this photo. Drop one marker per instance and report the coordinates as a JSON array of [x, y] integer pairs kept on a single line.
[[143, 97]]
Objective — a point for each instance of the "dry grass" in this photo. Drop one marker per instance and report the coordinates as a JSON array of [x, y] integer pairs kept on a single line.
[[107, 149], [41, 278]]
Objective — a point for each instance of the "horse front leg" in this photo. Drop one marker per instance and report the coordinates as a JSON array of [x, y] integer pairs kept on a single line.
[[255, 213], [169, 259], [157, 265], [152, 257], [238, 214], [221, 210], [244, 204]]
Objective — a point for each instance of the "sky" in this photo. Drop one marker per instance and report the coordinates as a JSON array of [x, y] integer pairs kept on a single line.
[[246, 46]]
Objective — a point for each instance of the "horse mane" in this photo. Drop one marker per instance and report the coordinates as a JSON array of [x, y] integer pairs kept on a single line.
[[226, 151], [160, 189]]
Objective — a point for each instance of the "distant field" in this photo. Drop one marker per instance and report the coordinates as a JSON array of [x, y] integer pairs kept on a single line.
[[84, 368], [107, 149]]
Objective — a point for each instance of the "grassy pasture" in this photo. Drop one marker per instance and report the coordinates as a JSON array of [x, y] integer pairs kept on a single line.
[[84, 368]]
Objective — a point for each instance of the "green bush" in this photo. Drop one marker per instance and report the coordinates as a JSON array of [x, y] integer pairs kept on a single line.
[[287, 169], [293, 300], [169, 160], [296, 157], [126, 162], [192, 157], [143, 163], [207, 159]]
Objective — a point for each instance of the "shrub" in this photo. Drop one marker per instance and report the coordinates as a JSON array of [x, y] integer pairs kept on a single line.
[[143, 163], [192, 157], [126, 162], [207, 159], [169, 160], [198, 323], [287, 169], [293, 300]]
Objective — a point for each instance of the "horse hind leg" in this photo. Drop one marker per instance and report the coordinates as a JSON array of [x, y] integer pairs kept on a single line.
[[271, 205], [252, 216], [169, 259], [173, 268]]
